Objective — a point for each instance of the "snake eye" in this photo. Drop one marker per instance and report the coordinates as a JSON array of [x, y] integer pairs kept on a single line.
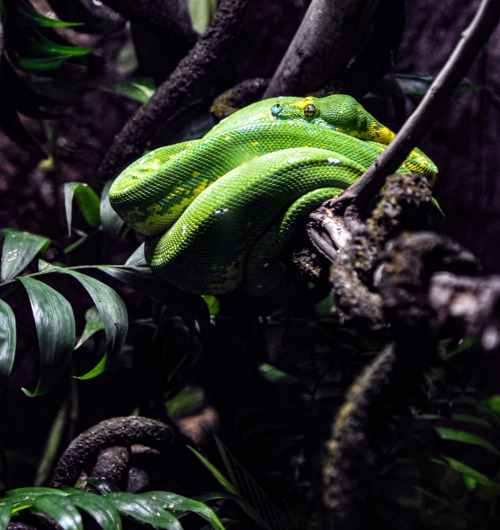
[[276, 109], [309, 111]]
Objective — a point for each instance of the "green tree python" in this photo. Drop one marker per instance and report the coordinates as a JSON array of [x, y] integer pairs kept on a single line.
[[218, 211]]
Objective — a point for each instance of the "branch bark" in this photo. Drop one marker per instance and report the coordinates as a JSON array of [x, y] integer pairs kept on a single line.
[[332, 32], [187, 83], [412, 132]]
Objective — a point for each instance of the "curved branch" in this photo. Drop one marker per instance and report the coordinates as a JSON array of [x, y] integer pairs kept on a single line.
[[121, 432], [187, 83]]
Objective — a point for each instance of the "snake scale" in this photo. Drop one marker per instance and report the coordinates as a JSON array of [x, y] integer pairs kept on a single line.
[[219, 210]]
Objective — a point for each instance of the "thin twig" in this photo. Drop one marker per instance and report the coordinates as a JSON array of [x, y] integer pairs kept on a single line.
[[473, 39]]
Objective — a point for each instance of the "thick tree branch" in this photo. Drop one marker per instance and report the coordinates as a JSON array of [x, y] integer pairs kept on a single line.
[[186, 84], [124, 432], [310, 61]]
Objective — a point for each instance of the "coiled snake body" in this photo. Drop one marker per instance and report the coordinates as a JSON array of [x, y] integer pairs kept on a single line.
[[218, 211]]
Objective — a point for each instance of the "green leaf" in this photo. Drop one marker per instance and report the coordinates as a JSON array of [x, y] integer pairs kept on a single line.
[[88, 201], [40, 64], [187, 401], [145, 510], [93, 21], [34, 17], [272, 374], [465, 437], [55, 326], [473, 478], [93, 324], [110, 306], [192, 309], [7, 342], [138, 89], [19, 248], [213, 304], [5, 514], [470, 419], [98, 369], [254, 500], [493, 404], [171, 501], [221, 479], [201, 12], [44, 48], [102, 511], [27, 495], [61, 510], [110, 220], [136, 259]]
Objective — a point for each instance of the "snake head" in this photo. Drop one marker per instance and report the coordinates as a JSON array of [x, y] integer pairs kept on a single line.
[[338, 111]]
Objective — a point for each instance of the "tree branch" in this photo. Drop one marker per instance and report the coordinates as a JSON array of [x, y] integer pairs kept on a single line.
[[186, 84], [328, 25], [473, 39]]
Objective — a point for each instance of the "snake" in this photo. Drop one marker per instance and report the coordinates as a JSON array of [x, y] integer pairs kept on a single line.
[[218, 211]]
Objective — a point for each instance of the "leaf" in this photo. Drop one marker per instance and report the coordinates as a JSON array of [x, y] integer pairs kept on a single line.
[[98, 369], [465, 437], [472, 478], [187, 401], [83, 12], [192, 309], [88, 201], [19, 248], [136, 259], [40, 47], [274, 375], [140, 509], [7, 342], [138, 89], [102, 511], [93, 324], [213, 304], [39, 64], [55, 326], [255, 501], [34, 17], [470, 419], [221, 479], [201, 12], [61, 510], [175, 502], [110, 306], [5, 514], [27, 495], [493, 404], [111, 222]]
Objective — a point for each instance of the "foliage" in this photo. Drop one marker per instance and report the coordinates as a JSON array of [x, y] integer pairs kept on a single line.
[[155, 508], [440, 463]]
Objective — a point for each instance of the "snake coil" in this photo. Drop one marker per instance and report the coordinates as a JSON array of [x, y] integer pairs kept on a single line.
[[218, 211]]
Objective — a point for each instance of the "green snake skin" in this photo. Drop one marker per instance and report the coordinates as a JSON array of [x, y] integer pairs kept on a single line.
[[220, 210]]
